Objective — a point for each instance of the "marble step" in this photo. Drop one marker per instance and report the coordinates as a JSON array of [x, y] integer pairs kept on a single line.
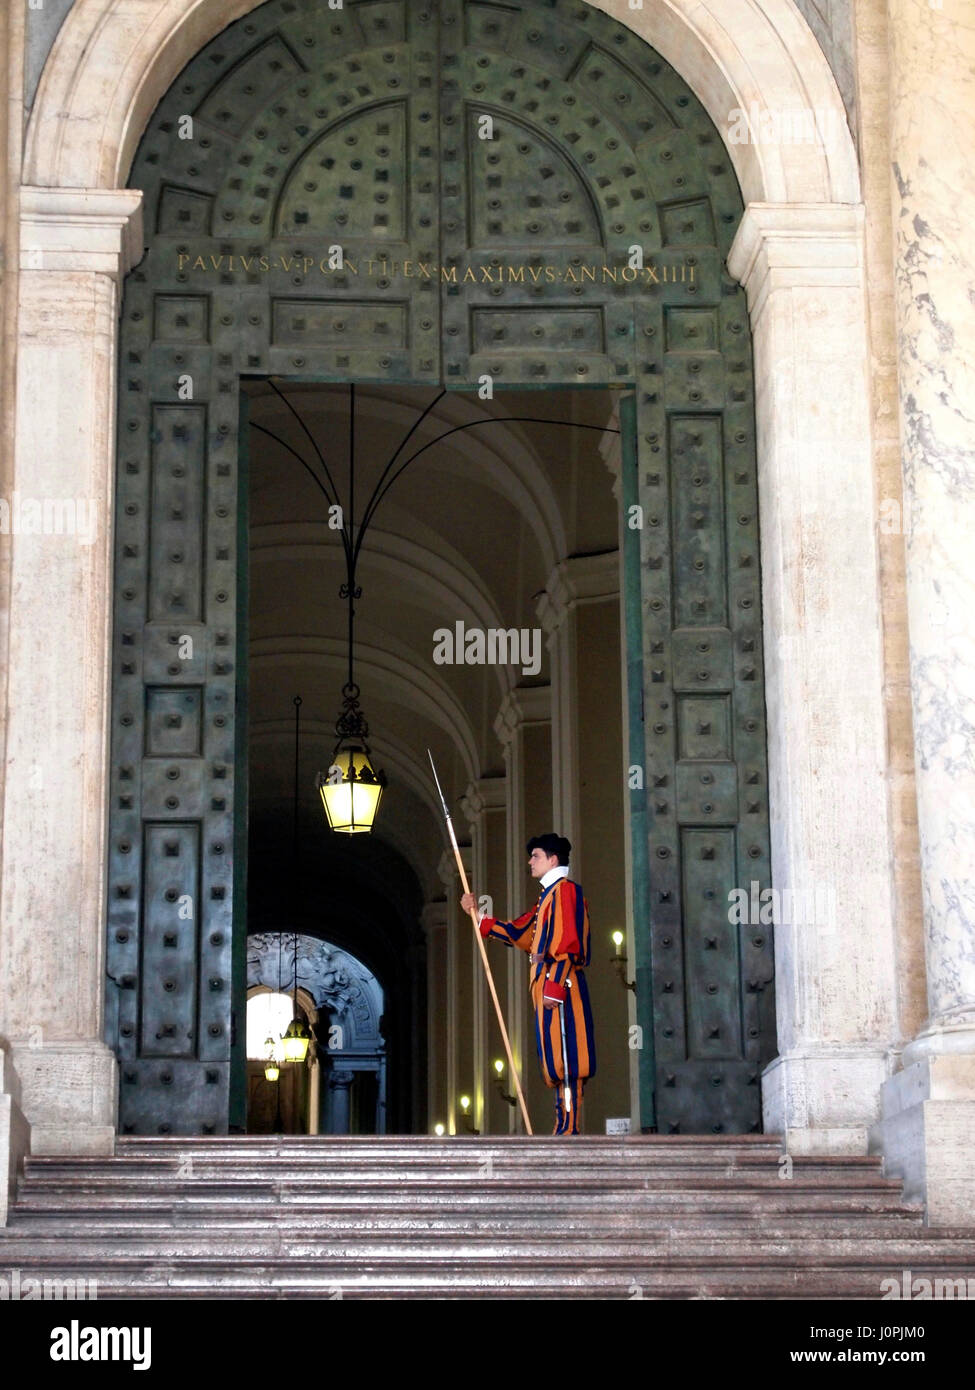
[[54, 1225], [28, 1235], [457, 1279], [604, 1143], [424, 1250], [719, 1193], [192, 1166], [460, 1164], [271, 1190]]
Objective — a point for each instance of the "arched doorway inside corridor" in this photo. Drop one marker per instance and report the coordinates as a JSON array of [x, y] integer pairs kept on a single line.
[[341, 1086]]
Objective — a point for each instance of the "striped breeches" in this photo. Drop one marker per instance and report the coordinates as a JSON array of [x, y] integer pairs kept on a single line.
[[579, 1045]]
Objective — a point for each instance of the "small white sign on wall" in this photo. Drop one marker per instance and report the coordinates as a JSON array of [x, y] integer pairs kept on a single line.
[[621, 1126]]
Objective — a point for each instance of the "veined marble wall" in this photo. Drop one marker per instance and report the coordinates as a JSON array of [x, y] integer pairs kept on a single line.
[[928, 1129]]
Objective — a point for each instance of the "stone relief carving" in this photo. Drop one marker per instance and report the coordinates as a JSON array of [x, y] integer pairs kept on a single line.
[[336, 981]]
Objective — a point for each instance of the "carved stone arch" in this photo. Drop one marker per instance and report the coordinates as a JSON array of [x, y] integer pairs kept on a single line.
[[112, 61], [799, 250]]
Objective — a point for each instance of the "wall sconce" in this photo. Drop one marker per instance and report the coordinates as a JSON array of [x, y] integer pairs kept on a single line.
[[465, 1110], [499, 1082], [619, 960], [439, 1131]]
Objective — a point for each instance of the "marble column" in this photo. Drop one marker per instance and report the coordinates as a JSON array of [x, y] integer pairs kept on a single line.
[[928, 1130], [314, 1095], [836, 998], [75, 246], [523, 726], [339, 1086]]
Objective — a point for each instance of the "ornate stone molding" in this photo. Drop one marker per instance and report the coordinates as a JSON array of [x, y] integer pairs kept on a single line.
[[578, 579], [527, 704], [485, 794]]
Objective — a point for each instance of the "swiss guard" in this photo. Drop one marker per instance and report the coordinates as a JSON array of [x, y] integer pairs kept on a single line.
[[555, 933]]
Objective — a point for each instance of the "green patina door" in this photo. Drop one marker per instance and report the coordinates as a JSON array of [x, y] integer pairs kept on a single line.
[[435, 191]]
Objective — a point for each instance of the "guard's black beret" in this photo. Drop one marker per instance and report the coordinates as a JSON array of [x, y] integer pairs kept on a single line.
[[551, 844]]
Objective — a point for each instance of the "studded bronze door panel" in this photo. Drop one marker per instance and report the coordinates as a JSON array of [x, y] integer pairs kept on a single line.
[[597, 146], [433, 192]]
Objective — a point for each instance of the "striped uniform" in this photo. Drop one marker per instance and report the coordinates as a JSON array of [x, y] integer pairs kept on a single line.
[[557, 930]]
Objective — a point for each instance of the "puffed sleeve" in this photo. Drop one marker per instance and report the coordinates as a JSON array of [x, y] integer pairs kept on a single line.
[[516, 933]]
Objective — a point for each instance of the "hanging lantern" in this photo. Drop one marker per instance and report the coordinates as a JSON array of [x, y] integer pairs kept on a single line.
[[352, 789], [271, 1069], [296, 1040]]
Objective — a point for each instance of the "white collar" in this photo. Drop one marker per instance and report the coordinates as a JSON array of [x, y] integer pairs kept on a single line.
[[553, 875]]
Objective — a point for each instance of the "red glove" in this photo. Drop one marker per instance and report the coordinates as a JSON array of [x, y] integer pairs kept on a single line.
[[554, 991]]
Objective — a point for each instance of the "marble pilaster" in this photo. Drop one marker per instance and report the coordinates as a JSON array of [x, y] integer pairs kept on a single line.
[[836, 997], [75, 246]]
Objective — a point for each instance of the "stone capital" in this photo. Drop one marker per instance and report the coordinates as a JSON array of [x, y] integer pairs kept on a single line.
[[340, 1080], [530, 704], [486, 794], [787, 245], [81, 229], [578, 579]]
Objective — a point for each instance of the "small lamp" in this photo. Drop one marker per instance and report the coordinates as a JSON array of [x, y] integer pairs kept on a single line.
[[499, 1082], [619, 960]]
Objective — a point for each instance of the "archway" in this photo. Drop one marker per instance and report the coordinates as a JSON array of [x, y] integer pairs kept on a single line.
[[78, 138], [462, 196], [344, 1003]]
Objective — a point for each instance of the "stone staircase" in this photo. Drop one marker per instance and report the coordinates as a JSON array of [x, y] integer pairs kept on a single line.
[[415, 1217]]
